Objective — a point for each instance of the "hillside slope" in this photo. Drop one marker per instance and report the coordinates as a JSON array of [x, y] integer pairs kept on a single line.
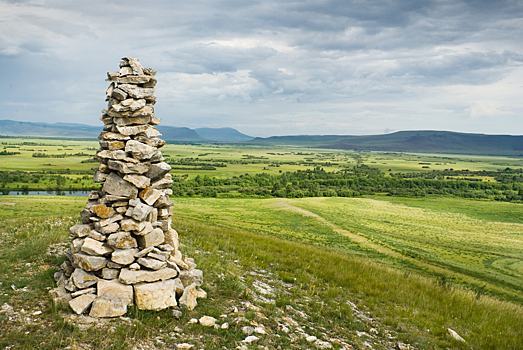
[[222, 134], [409, 141]]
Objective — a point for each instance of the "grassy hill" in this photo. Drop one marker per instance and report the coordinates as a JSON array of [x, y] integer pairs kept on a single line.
[[409, 141], [222, 134]]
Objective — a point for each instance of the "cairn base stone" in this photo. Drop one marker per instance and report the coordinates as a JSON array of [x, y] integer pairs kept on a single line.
[[155, 296]]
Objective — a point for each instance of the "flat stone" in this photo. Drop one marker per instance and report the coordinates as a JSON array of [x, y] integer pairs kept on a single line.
[[147, 111], [136, 92], [152, 264], [106, 222], [155, 296], [135, 266], [113, 136], [102, 211], [156, 256], [151, 141], [132, 225], [60, 296], [97, 235], [116, 288], [131, 130], [117, 186], [156, 237], [80, 230], [129, 104], [163, 202], [149, 71], [94, 247], [111, 228], [83, 291], [207, 321], [144, 252], [124, 256], [99, 177], [128, 168], [110, 274], [166, 247], [76, 245], [150, 195], [151, 131], [128, 276], [112, 145], [141, 211], [147, 228], [164, 182], [166, 225], [81, 303], [113, 265], [171, 238], [139, 181], [108, 305], [89, 262], [83, 279], [188, 298], [119, 94], [191, 277], [121, 240], [116, 155], [139, 150]]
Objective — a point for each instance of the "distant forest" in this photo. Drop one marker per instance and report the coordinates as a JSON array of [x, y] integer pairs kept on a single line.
[[359, 181]]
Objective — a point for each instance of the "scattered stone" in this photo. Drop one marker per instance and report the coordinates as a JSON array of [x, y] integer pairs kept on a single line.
[[207, 321], [250, 339], [224, 326], [455, 335], [177, 313]]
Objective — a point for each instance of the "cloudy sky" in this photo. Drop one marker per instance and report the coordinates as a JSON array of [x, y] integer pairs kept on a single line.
[[273, 67]]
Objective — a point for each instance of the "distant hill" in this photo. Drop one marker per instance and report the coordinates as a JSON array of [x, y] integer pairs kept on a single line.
[[409, 141], [223, 134], [169, 133]]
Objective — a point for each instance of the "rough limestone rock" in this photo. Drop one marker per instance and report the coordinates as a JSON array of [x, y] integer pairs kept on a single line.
[[60, 296], [188, 298], [83, 279], [116, 288], [81, 303], [191, 276], [108, 305], [128, 276], [124, 256], [155, 296], [114, 184], [94, 247], [156, 237], [125, 249], [89, 262]]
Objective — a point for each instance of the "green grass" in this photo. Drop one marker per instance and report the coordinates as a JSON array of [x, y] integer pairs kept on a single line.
[[238, 243]]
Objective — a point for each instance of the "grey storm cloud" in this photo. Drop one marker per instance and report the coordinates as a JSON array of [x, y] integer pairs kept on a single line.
[[273, 67]]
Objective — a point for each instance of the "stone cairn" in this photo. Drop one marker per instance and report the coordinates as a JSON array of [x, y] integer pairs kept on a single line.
[[125, 252]]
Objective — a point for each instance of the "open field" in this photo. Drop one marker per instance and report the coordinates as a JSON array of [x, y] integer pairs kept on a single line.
[[341, 294], [50, 165]]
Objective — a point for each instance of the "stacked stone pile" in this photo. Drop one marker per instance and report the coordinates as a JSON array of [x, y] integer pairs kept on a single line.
[[125, 252]]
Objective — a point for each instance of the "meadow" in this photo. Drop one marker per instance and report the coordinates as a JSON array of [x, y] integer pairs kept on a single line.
[[316, 259], [370, 271]]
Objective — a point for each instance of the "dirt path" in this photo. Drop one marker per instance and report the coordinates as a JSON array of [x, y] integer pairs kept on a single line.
[[366, 243]]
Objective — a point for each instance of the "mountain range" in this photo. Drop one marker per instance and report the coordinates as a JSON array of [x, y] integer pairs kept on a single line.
[[169, 133], [424, 141]]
